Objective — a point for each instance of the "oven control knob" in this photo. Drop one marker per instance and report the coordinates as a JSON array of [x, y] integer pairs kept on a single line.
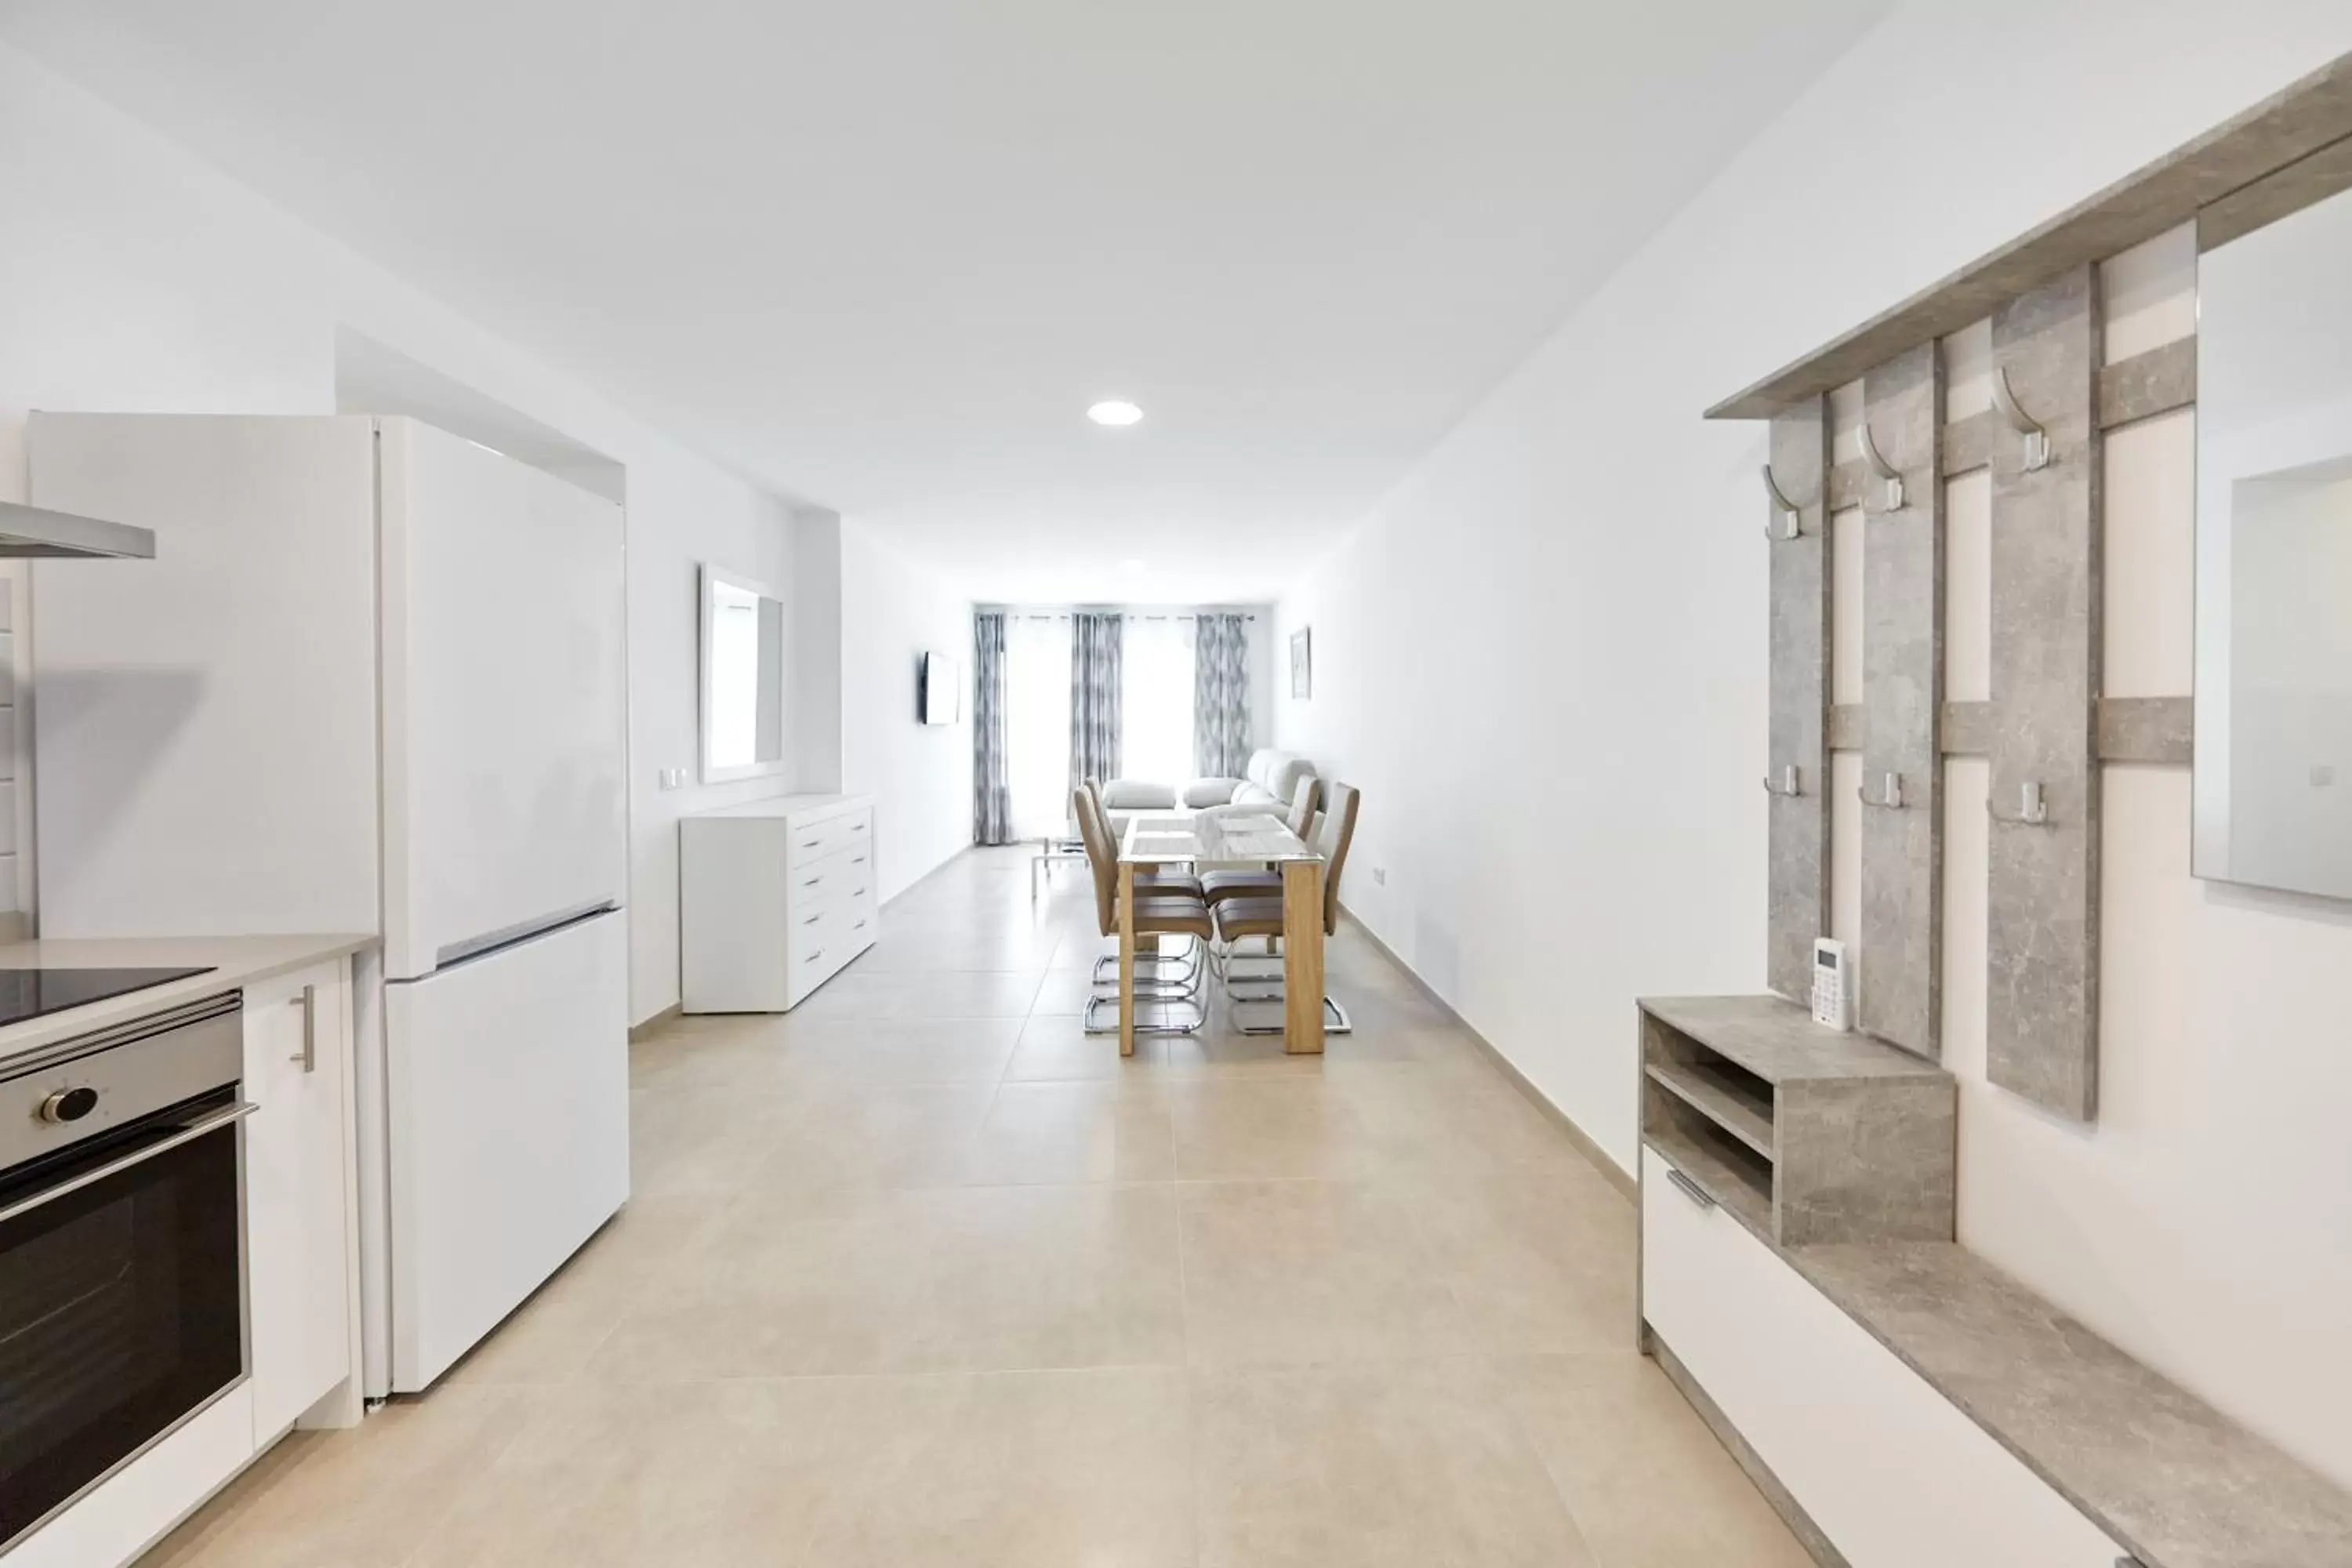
[[70, 1104]]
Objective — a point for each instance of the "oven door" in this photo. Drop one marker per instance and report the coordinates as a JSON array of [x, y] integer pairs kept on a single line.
[[122, 1299]]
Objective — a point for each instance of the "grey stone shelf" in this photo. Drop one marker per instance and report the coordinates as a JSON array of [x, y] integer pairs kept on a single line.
[[2165, 1475], [1805, 1134], [1729, 1099]]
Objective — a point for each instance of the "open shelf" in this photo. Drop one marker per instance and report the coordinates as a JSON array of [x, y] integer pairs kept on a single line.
[[1807, 1134], [1738, 1102], [1726, 1169]]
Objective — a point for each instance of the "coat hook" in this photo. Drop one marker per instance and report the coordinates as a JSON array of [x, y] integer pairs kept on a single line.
[[1788, 784], [2033, 808], [1877, 464], [1786, 514], [1891, 794], [2037, 440]]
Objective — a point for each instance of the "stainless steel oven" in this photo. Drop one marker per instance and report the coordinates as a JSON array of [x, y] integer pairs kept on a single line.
[[122, 1306]]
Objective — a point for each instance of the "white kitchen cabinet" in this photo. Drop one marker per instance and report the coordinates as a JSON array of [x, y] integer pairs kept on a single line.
[[775, 896], [299, 1198]]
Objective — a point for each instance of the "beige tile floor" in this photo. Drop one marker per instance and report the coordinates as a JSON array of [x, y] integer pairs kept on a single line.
[[922, 1275]]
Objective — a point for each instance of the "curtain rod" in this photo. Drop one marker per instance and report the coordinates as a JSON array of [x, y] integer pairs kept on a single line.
[[1125, 614]]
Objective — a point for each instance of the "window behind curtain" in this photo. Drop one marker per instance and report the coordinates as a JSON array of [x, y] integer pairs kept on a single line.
[[1037, 723], [1156, 699]]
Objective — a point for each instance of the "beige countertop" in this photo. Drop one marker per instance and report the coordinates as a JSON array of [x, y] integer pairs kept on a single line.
[[233, 961]]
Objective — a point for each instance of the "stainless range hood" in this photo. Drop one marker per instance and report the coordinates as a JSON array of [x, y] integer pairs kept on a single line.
[[28, 530]]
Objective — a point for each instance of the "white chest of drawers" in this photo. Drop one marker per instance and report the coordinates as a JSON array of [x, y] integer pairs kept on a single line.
[[775, 896]]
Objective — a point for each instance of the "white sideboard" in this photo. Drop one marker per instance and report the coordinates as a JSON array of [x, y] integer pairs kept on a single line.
[[775, 896]]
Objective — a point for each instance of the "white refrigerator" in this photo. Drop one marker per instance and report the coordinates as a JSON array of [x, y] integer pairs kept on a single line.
[[374, 679]]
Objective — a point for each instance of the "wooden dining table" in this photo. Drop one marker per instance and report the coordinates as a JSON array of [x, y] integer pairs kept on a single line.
[[1242, 841]]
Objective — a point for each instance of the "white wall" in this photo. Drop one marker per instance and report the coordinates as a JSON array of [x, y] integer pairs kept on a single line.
[[892, 608], [136, 278], [1542, 658]]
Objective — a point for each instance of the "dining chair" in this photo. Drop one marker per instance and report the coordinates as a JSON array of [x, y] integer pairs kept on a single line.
[[1239, 918], [1156, 915], [1156, 881]]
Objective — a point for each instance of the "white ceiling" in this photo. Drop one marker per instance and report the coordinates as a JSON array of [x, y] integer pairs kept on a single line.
[[882, 254]]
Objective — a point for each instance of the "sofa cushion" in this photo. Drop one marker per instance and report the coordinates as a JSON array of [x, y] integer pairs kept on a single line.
[[1210, 792], [1138, 794]]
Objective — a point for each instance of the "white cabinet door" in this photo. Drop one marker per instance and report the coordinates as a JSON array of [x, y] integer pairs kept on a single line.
[[296, 1171]]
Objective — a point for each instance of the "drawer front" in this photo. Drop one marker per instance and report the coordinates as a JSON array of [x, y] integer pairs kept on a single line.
[[836, 876], [812, 841], [818, 949], [1893, 1473], [857, 921]]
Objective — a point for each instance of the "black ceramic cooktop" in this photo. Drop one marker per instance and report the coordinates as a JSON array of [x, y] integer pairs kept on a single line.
[[29, 993]]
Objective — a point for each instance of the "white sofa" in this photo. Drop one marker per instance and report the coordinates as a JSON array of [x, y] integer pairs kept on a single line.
[[1270, 782]]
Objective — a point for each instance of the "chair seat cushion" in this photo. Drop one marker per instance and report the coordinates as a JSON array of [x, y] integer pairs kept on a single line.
[[1172, 917], [1169, 882], [1248, 917], [1218, 886]]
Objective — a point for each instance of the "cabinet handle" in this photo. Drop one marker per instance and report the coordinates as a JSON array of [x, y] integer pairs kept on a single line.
[[813, 919], [859, 926], [308, 1003], [812, 957], [1689, 1188], [811, 843], [857, 860], [813, 882]]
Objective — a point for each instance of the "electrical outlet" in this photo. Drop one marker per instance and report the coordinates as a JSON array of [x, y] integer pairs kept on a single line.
[[1380, 876], [673, 778]]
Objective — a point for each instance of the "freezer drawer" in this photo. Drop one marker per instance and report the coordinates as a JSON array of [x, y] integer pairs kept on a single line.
[[508, 1112]]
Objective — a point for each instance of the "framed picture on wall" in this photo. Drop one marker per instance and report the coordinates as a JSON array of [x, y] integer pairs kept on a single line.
[[1302, 662]]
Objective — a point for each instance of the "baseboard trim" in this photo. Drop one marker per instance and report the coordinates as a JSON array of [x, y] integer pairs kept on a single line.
[[1586, 1144], [1792, 1513], [926, 876], [661, 1020]]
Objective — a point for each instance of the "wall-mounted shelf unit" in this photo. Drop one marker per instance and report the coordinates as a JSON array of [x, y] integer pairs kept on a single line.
[[1804, 1134]]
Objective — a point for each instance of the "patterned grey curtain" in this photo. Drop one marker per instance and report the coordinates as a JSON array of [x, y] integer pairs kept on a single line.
[[992, 789], [1221, 722], [1095, 639]]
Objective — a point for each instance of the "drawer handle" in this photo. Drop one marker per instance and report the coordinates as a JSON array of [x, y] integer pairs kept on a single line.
[[812, 957], [859, 926], [858, 826], [857, 892], [1689, 1188], [857, 859], [813, 919], [813, 882], [811, 843]]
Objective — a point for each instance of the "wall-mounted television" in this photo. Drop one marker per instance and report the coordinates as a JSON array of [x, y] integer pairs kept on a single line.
[[938, 689]]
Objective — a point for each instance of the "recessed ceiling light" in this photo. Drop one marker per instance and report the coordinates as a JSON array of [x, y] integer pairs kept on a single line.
[[1115, 412]]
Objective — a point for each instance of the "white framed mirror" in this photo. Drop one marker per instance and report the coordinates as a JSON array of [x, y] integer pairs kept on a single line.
[[743, 678]]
